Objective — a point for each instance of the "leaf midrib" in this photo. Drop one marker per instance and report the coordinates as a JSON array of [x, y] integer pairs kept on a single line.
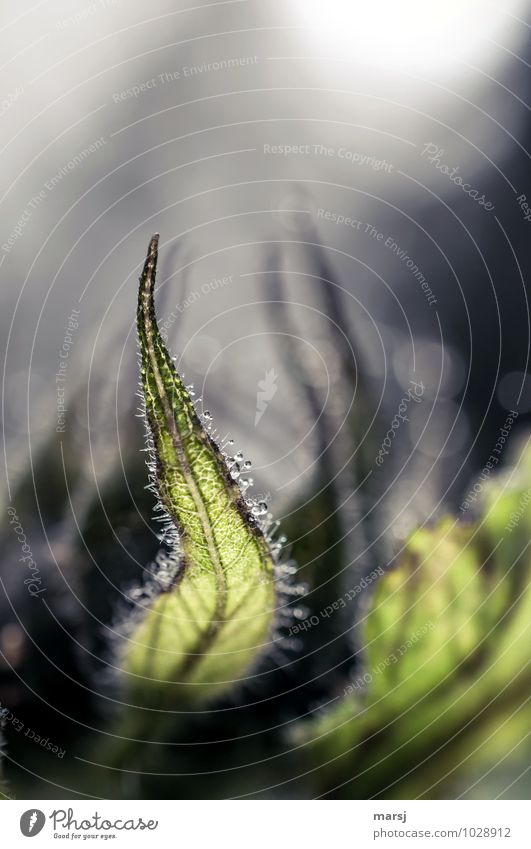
[[152, 338]]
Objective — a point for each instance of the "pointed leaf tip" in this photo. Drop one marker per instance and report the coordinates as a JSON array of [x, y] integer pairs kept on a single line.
[[215, 613]]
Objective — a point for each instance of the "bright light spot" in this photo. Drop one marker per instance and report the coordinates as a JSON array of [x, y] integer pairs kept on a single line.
[[412, 34]]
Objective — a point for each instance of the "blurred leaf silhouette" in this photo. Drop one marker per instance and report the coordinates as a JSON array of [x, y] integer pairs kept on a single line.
[[445, 657]]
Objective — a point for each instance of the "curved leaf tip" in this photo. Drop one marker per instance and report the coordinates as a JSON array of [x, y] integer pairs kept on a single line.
[[213, 613]]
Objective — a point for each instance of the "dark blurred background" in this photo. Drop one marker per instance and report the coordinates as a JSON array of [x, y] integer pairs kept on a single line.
[[301, 161]]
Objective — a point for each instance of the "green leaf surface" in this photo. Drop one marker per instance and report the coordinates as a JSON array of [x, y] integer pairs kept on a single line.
[[216, 612]]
